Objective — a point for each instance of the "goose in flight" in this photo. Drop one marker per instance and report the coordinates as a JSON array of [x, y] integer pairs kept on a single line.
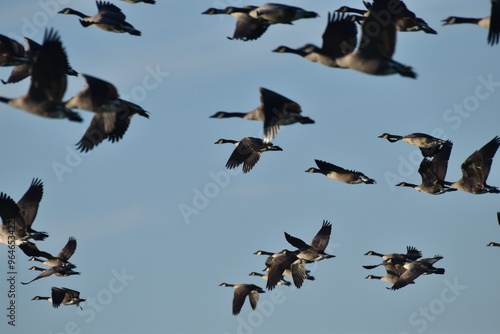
[[62, 296], [247, 152], [274, 110], [476, 168], [241, 291], [339, 174], [109, 18], [112, 115], [48, 82]]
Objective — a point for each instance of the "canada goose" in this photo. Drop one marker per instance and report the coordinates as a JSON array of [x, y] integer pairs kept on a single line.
[[375, 50], [23, 70], [61, 259], [11, 52], [112, 114], [339, 39], [247, 152], [316, 250], [288, 271], [13, 229], [492, 22], [247, 28], [394, 266], [274, 110], [62, 296], [433, 173], [17, 218], [279, 13], [109, 17], [412, 254], [48, 82], [476, 168], [109, 125], [415, 269], [427, 144], [283, 261], [241, 291], [282, 281], [28, 208], [339, 174], [404, 20], [59, 271]]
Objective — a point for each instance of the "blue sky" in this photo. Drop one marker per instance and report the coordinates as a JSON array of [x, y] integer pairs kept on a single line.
[[147, 267]]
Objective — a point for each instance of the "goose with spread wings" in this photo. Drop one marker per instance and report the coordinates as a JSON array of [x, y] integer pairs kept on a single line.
[[247, 152], [476, 169], [316, 250], [274, 110]]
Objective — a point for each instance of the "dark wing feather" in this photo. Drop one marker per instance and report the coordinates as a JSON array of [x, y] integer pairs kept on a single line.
[[477, 165], [100, 91], [68, 249], [249, 28], [340, 35], [253, 297], [48, 72], [100, 127], [9, 211], [494, 30], [58, 295], [378, 38], [276, 108], [321, 239], [28, 204], [30, 249], [296, 242], [440, 161]]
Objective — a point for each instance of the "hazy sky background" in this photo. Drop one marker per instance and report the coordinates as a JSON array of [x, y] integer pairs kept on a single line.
[[147, 268]]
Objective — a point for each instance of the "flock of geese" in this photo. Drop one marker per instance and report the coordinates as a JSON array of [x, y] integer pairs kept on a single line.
[[16, 229], [373, 56], [379, 23], [276, 110], [48, 66]]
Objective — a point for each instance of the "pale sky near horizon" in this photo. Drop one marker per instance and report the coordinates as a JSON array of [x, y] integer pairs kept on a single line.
[[160, 222]]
